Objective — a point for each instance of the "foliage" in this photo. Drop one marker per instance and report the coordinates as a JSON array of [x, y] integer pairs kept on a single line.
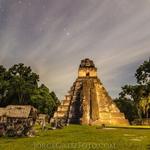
[[139, 94], [4, 84], [22, 83], [143, 73], [145, 106], [44, 100], [19, 85], [127, 107]]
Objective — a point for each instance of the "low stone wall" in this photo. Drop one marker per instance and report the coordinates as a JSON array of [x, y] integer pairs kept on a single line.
[[146, 121], [141, 122]]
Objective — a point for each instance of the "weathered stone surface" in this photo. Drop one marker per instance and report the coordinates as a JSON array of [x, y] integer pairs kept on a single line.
[[88, 101]]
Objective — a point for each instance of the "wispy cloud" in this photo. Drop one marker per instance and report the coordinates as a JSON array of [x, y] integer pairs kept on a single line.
[[54, 35]]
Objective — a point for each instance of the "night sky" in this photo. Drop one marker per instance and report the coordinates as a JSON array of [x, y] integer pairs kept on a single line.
[[52, 36]]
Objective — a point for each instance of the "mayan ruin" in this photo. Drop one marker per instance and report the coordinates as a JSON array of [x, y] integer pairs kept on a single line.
[[88, 102], [17, 120]]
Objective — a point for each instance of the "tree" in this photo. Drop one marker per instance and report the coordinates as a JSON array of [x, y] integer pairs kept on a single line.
[[127, 107], [145, 105], [143, 73], [56, 100], [4, 84], [139, 94], [19, 86], [22, 83], [134, 94], [44, 101]]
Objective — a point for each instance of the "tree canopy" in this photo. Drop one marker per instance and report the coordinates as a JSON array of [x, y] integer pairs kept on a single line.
[[143, 73], [138, 95], [20, 85]]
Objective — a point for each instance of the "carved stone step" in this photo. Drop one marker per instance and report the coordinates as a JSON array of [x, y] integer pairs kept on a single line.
[[66, 102], [88, 102], [60, 114], [63, 108]]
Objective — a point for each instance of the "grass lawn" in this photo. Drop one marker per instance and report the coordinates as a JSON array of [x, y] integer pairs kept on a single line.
[[83, 138]]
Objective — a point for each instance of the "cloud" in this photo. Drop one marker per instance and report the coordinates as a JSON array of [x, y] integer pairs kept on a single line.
[[115, 34]]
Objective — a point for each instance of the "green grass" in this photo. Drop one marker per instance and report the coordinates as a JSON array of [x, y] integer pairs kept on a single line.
[[82, 138]]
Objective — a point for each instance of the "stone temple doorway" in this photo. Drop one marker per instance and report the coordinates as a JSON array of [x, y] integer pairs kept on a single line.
[[87, 74]]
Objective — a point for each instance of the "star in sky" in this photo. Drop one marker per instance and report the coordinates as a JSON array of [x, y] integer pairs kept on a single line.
[[52, 36], [68, 33]]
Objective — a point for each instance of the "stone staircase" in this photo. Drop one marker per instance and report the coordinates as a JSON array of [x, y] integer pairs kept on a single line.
[[88, 102]]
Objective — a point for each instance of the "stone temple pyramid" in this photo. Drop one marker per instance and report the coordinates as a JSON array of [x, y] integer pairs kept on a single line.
[[88, 102]]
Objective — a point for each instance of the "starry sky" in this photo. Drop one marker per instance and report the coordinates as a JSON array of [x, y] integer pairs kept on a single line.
[[52, 36]]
